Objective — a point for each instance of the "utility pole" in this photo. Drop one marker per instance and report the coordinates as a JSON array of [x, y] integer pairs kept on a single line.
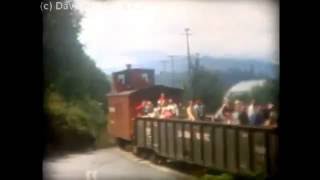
[[172, 71], [190, 73], [188, 50], [197, 62], [164, 62], [195, 71]]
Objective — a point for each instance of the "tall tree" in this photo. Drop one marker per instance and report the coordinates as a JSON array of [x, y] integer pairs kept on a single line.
[[75, 87], [67, 68], [207, 86]]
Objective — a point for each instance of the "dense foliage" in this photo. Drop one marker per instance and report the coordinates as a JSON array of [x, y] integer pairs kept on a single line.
[[74, 87], [267, 93], [233, 76], [207, 86]]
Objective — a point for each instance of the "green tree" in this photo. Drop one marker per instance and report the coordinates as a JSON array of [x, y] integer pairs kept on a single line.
[[207, 86], [267, 93], [66, 67], [74, 87]]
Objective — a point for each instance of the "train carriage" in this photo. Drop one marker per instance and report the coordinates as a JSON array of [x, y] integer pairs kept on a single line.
[[129, 88], [230, 148], [122, 105]]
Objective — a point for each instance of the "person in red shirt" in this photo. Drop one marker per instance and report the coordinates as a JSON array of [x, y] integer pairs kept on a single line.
[[162, 99], [140, 108], [167, 113]]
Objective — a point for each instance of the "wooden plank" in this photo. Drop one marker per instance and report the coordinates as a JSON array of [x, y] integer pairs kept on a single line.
[[196, 146], [187, 143], [236, 144], [251, 151], [219, 147], [244, 152], [207, 146], [231, 150], [175, 140], [170, 132], [156, 144], [259, 152], [140, 133], [148, 134], [163, 139], [179, 141]]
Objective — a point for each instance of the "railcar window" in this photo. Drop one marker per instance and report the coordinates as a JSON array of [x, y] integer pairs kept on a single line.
[[145, 77], [121, 78]]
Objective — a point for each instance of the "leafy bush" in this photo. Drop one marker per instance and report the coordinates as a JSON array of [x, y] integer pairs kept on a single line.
[[71, 121]]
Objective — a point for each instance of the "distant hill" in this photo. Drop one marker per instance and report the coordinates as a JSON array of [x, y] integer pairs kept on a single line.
[[230, 70], [211, 63]]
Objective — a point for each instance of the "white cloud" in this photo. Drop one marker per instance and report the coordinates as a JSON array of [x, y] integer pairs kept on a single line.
[[113, 29]]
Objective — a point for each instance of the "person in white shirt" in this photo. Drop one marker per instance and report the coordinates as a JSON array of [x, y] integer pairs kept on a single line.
[[190, 111], [236, 113], [251, 110], [173, 107]]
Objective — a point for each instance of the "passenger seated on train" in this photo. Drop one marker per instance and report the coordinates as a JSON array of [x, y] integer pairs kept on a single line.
[[166, 112], [236, 113], [239, 115], [148, 108], [217, 117], [162, 99], [200, 110], [243, 116], [182, 110], [141, 108], [272, 120], [257, 117], [190, 112], [173, 107], [227, 112], [195, 109], [251, 111], [156, 112], [272, 117], [267, 110]]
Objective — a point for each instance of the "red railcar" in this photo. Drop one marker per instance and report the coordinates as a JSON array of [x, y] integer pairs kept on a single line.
[[132, 79], [130, 88]]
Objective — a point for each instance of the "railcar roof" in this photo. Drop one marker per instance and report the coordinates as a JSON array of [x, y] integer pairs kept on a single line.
[[124, 93], [132, 69]]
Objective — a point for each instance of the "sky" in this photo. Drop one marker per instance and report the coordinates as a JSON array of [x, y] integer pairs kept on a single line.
[[115, 33]]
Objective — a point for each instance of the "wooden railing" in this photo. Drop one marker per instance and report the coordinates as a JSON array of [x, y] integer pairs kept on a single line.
[[232, 148]]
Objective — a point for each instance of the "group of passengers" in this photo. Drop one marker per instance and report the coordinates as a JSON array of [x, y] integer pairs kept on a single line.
[[166, 108], [236, 113], [196, 110], [239, 113]]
